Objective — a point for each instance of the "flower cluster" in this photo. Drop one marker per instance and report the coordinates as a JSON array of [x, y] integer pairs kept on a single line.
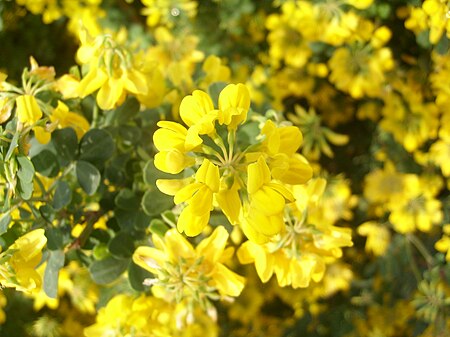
[[246, 184]]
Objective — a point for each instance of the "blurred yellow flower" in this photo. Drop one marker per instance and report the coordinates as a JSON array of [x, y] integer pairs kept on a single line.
[[378, 237], [19, 262], [194, 276]]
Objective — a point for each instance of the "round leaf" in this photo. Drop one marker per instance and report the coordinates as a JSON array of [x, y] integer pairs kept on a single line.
[[121, 246], [96, 147], [66, 143], [88, 176], [62, 196], [46, 163], [154, 202], [107, 270], [126, 199], [26, 169]]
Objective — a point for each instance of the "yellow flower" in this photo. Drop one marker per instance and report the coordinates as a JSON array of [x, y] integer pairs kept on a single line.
[[388, 186], [238, 181], [415, 207], [298, 254], [6, 107], [127, 315], [111, 70], [197, 112], [113, 317], [28, 110], [360, 4], [443, 244], [421, 212], [65, 118], [263, 216], [378, 237], [411, 121], [2, 305], [171, 141], [199, 198], [234, 102], [215, 71], [286, 40], [18, 269], [360, 70], [440, 153], [188, 275], [281, 144]]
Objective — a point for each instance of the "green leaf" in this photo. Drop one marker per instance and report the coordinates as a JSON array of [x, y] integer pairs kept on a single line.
[[55, 238], [122, 245], [136, 276], [158, 227], [54, 263], [88, 176], [384, 10], [47, 212], [12, 146], [96, 147], [25, 189], [423, 39], [142, 220], [5, 220], [100, 251], [126, 199], [154, 202], [62, 196], [130, 134], [127, 110], [26, 169], [442, 47], [66, 143], [46, 163], [107, 270], [125, 219]]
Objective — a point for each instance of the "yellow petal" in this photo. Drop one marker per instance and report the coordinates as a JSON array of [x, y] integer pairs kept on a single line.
[[290, 139], [171, 186], [267, 201], [149, 258], [192, 138], [234, 103], [177, 246], [190, 223], [266, 225], [93, 80], [110, 93], [28, 110], [291, 170], [135, 82], [41, 135], [228, 282], [170, 135], [194, 107], [213, 246], [201, 201], [186, 192], [172, 161], [230, 203], [258, 175]]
